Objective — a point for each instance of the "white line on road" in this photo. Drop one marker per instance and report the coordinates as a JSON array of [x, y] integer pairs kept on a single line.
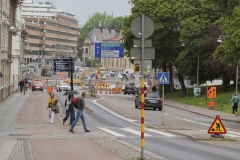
[[159, 132], [112, 132], [134, 132], [204, 124]]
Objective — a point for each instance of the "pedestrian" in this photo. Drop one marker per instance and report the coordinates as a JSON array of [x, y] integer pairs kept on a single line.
[[69, 106], [21, 84], [154, 89], [235, 101], [50, 103], [80, 106]]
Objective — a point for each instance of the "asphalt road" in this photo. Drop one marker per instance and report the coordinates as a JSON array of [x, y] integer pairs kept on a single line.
[[162, 143]]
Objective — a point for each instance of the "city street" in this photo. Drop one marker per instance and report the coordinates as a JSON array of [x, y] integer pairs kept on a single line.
[[116, 115]]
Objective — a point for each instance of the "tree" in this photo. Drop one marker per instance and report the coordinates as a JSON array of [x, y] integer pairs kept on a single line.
[[100, 19]]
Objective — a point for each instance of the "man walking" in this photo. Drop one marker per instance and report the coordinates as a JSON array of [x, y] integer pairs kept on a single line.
[[235, 101], [80, 106], [21, 84]]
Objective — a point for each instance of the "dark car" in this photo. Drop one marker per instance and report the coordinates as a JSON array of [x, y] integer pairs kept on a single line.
[[130, 88], [151, 100], [37, 86]]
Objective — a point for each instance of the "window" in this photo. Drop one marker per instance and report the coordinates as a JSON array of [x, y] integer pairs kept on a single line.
[[125, 64], [117, 63], [112, 62], [86, 50], [120, 63], [108, 62], [129, 65]]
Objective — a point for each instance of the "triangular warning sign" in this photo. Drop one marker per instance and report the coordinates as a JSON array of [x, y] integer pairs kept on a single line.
[[217, 127], [163, 78]]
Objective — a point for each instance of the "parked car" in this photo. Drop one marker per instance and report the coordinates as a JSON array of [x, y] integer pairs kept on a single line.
[[119, 76], [63, 87], [130, 88], [151, 100], [38, 85]]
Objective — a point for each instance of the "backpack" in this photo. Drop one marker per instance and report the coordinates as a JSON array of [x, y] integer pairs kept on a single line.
[[235, 100], [75, 100]]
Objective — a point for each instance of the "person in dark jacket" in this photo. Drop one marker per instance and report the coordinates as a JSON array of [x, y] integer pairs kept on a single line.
[[21, 84], [69, 105], [154, 89]]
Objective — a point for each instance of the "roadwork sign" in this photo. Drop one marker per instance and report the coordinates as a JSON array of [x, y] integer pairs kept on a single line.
[[217, 127], [211, 92], [211, 104]]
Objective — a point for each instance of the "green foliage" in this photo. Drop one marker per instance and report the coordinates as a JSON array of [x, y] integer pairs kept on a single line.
[[100, 19], [94, 62]]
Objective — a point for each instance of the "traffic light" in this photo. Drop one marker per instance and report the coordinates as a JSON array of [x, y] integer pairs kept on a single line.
[[136, 67]]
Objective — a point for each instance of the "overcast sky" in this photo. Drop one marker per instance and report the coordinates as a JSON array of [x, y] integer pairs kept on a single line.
[[85, 8]]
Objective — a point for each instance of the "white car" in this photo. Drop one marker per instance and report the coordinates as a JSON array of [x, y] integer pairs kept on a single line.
[[63, 87], [119, 76]]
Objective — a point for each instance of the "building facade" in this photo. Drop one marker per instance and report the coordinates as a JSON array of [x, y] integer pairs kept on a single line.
[[9, 27], [52, 33]]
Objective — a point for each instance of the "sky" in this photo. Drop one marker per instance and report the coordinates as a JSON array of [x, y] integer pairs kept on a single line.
[[85, 8]]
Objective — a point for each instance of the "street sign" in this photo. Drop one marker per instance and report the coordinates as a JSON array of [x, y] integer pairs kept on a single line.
[[211, 104], [138, 43], [149, 53], [163, 77], [60, 65], [109, 50], [136, 26], [211, 92], [26, 75], [217, 127]]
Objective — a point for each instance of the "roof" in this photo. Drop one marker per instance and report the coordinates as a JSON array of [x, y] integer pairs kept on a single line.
[[96, 35], [116, 39]]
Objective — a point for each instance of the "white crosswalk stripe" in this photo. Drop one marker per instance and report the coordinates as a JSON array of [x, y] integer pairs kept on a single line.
[[112, 132], [159, 132], [134, 132], [124, 132]]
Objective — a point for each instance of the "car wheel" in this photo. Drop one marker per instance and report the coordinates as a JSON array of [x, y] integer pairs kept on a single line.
[[154, 108], [59, 90], [124, 93], [136, 105], [42, 90], [160, 109], [33, 90], [128, 93]]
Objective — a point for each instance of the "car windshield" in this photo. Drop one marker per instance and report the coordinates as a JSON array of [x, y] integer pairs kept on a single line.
[[152, 95], [63, 84]]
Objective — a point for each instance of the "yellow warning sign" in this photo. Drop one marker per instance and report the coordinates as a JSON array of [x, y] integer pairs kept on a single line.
[[217, 127]]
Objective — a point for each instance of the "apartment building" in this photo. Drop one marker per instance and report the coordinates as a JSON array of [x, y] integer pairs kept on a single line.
[[51, 32]]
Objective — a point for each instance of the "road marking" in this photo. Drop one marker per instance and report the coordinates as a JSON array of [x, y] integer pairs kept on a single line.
[[112, 132], [159, 132], [134, 131], [233, 132], [204, 124]]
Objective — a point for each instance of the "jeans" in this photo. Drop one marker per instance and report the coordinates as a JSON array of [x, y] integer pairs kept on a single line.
[[21, 89], [72, 116], [51, 115], [79, 115], [235, 108]]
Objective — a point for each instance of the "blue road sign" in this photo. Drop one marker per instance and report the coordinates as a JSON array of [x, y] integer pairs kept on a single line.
[[108, 50], [26, 75], [91, 76], [163, 77]]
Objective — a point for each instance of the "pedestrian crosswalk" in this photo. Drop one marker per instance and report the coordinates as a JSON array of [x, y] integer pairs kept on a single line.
[[130, 132]]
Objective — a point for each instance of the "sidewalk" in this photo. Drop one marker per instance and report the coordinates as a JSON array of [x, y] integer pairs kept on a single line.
[[26, 134], [203, 111], [32, 137]]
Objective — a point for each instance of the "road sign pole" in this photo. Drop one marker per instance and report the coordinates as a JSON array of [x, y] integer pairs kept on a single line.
[[71, 59], [142, 93], [163, 104]]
